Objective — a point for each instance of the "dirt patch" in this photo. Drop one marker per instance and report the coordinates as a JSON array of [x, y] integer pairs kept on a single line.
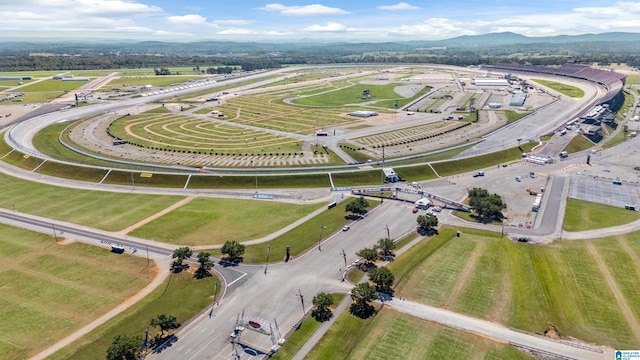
[[552, 332]]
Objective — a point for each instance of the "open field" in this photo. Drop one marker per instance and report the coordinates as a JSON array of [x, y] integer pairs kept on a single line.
[[393, 335], [102, 210], [50, 290], [215, 221], [584, 215], [181, 296], [527, 287], [565, 89], [301, 238]]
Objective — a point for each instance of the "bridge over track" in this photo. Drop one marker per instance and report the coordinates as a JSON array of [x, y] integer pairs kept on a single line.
[[375, 191]]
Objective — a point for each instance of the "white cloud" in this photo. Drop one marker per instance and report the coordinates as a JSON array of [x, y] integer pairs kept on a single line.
[[187, 19], [328, 27], [307, 10], [233, 22], [398, 7], [236, 31]]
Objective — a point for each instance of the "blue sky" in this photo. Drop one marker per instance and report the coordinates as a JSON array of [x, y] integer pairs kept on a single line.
[[355, 20]]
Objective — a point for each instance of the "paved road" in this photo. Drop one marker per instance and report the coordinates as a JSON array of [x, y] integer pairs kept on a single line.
[[263, 298]]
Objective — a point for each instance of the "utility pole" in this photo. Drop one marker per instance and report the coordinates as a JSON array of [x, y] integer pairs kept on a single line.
[[344, 256], [53, 226], [322, 227], [383, 177], [215, 293], [267, 263], [299, 294], [147, 245]]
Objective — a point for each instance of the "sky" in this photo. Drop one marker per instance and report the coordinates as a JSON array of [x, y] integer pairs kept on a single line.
[[322, 20]]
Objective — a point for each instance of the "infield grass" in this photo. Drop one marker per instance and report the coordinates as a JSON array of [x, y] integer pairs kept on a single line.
[[565, 89], [582, 215], [50, 290]]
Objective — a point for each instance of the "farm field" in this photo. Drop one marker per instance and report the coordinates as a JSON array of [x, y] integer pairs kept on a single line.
[[50, 290], [215, 221], [578, 286], [393, 335]]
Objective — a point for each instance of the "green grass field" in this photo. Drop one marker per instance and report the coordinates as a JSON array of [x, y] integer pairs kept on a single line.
[[352, 94], [301, 238], [524, 286], [565, 89], [215, 221], [103, 210], [50, 290], [577, 144], [584, 215], [393, 335], [181, 296]]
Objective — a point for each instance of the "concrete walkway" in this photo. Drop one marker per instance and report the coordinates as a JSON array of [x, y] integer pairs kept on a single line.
[[500, 333]]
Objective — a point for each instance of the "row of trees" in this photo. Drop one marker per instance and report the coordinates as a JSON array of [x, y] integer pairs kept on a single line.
[[233, 252]]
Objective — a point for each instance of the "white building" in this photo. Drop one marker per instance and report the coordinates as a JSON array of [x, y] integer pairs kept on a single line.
[[364, 114]]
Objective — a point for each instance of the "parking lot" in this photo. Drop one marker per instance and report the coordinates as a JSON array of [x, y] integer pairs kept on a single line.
[[603, 191]]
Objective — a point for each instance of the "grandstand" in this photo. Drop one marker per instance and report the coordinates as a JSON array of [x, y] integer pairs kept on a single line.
[[610, 80]]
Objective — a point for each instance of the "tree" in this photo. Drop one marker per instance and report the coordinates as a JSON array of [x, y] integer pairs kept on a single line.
[[488, 206], [233, 251], [386, 247], [180, 254], [362, 294], [165, 323], [383, 278], [322, 303], [426, 223], [124, 347], [357, 206], [370, 255], [204, 259]]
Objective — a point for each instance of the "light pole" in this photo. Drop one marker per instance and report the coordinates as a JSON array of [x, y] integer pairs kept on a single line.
[[322, 227], [388, 233], [267, 263], [53, 226]]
